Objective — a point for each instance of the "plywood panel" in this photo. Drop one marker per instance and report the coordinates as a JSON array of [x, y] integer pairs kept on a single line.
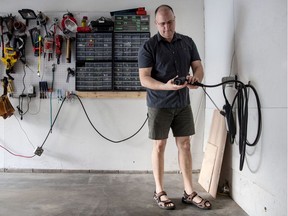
[[217, 138], [209, 161]]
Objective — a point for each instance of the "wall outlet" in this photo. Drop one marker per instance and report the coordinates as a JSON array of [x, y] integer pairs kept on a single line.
[[231, 84]]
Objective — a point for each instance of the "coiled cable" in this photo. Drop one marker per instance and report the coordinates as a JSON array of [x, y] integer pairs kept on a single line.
[[242, 101]]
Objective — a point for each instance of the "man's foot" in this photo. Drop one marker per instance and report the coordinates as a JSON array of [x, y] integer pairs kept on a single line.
[[196, 200], [163, 201]]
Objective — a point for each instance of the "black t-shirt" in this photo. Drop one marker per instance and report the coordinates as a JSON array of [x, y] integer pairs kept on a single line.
[[167, 61]]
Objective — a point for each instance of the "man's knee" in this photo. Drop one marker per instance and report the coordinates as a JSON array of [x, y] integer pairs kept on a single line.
[[159, 145], [183, 144]]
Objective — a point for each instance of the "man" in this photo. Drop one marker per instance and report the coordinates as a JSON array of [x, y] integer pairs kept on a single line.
[[164, 57]]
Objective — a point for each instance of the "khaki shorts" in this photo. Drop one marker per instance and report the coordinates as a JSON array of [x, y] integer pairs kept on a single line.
[[160, 120]]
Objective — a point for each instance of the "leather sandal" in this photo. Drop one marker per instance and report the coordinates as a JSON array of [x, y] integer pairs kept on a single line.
[[189, 199], [166, 204]]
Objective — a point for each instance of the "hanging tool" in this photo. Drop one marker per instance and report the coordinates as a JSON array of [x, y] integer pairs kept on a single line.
[[55, 25], [42, 20], [39, 55], [19, 46], [20, 27], [69, 74], [37, 46], [48, 46], [27, 14], [36, 39], [43, 87], [2, 38], [58, 39], [58, 42], [69, 25], [68, 48], [9, 59], [53, 78], [6, 109], [9, 21]]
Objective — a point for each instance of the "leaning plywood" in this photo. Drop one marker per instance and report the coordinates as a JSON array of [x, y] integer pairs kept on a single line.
[[213, 157]]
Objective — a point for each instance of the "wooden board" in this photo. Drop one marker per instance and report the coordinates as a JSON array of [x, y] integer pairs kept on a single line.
[[209, 161], [213, 157], [103, 94]]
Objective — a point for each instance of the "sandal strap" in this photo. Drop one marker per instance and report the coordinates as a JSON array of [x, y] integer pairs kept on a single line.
[[160, 194], [191, 196], [163, 203], [201, 204]]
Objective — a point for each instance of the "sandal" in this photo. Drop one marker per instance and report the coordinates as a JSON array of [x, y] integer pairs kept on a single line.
[[189, 199], [166, 204]]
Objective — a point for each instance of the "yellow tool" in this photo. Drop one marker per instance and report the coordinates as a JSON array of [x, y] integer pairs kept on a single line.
[[9, 59]]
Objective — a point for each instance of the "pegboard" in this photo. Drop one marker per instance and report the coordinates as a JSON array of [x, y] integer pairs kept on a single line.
[[26, 76]]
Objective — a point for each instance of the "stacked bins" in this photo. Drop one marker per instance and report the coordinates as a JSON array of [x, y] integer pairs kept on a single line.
[[126, 46], [94, 61], [130, 33]]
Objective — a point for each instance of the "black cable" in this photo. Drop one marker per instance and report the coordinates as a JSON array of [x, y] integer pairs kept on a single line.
[[242, 100], [113, 141], [22, 96], [256, 140]]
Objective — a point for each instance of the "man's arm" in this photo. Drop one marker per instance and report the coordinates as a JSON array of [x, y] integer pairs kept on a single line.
[[148, 82], [198, 73]]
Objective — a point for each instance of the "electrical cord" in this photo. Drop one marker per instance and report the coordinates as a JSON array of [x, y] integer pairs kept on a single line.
[[21, 97], [242, 100], [17, 155], [39, 150], [87, 116]]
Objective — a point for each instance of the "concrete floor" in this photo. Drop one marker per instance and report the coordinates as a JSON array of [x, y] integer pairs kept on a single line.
[[89, 194]]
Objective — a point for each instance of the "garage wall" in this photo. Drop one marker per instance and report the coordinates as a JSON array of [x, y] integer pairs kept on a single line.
[[249, 39], [73, 143]]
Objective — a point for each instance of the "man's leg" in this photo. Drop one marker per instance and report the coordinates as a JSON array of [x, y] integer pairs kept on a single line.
[[158, 163], [185, 162], [158, 167]]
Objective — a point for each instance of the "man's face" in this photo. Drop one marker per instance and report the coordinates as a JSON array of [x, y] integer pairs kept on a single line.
[[165, 23]]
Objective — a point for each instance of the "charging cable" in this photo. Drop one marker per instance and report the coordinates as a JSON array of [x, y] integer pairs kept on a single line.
[[242, 112], [39, 150]]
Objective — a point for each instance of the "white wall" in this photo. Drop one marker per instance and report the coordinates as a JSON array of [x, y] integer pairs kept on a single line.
[[257, 31], [73, 143]]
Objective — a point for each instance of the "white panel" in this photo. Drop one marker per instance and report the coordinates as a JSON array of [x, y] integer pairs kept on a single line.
[[260, 57]]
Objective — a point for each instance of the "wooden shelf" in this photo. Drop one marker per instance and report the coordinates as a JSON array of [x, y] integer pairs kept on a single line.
[[103, 94]]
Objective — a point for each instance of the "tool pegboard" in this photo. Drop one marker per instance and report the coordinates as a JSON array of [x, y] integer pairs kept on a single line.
[[49, 70]]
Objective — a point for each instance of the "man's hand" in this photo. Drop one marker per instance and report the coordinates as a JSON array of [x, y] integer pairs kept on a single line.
[[191, 80], [170, 85]]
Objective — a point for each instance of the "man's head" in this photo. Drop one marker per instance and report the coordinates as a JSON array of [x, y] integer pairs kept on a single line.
[[165, 21]]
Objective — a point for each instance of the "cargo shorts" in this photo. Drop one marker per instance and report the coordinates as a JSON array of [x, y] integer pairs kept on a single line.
[[160, 120]]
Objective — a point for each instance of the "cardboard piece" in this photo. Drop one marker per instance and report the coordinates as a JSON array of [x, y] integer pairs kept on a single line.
[[213, 157]]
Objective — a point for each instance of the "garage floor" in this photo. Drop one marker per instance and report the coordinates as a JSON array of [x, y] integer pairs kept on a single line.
[[89, 194]]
